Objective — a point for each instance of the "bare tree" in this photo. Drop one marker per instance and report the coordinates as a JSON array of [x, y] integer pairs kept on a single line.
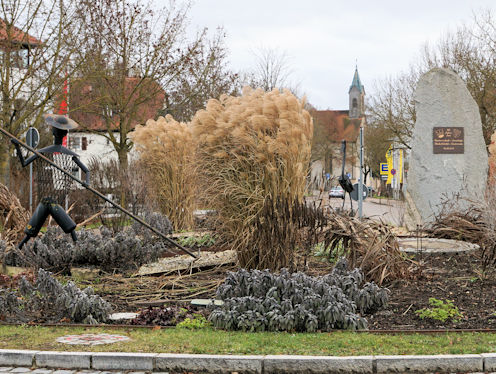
[[392, 106], [36, 56], [377, 139], [138, 57], [470, 51], [272, 70], [207, 77]]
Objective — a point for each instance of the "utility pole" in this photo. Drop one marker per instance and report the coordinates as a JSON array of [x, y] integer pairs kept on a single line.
[[360, 181]]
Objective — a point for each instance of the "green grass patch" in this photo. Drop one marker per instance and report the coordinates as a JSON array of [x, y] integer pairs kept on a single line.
[[210, 341]]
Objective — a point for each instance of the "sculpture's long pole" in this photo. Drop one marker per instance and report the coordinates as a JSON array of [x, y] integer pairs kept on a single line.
[[99, 194]]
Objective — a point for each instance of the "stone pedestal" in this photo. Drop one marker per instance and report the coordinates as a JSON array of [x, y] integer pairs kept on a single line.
[[448, 155]]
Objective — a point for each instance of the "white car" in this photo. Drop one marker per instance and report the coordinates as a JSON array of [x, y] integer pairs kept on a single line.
[[336, 192]]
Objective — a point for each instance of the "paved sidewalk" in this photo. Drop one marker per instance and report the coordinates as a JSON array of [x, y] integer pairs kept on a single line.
[[388, 211]]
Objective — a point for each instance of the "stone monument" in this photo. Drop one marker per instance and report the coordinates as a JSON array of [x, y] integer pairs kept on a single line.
[[448, 155]]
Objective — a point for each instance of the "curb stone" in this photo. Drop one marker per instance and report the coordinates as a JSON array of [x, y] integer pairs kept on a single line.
[[66, 360], [489, 361], [430, 363], [122, 361], [209, 363], [269, 364], [317, 364], [15, 357]]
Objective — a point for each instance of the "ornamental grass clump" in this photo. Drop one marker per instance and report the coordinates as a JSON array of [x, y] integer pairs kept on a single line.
[[252, 149], [263, 301], [167, 153]]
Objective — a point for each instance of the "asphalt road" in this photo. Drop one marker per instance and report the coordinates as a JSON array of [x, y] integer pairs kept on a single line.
[[386, 210]]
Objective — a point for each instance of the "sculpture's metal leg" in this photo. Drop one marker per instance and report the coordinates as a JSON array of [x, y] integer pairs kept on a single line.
[[35, 223], [62, 218], [23, 241]]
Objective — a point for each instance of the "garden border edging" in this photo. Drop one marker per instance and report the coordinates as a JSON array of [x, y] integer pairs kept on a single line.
[[267, 364]]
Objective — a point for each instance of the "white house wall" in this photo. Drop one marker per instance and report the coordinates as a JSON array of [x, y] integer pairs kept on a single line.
[[97, 147]]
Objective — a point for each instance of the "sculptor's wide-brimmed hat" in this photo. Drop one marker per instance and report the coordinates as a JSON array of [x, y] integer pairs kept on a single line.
[[60, 121]]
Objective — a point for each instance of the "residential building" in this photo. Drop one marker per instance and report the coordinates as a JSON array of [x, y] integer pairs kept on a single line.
[[95, 118], [17, 46]]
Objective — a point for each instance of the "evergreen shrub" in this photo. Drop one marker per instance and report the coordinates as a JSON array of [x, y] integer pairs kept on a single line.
[[263, 301]]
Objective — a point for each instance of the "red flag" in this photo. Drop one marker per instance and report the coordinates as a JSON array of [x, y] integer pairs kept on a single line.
[[63, 109]]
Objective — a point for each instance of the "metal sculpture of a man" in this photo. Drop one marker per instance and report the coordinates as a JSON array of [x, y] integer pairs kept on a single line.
[[53, 185]]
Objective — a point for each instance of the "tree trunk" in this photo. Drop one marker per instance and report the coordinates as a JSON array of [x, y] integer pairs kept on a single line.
[[5, 160], [122, 153]]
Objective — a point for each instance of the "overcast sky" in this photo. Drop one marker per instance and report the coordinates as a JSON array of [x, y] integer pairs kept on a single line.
[[324, 38]]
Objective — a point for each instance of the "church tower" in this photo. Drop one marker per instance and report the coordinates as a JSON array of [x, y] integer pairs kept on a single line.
[[357, 97]]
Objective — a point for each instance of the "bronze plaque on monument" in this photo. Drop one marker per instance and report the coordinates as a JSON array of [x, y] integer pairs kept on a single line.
[[448, 140]]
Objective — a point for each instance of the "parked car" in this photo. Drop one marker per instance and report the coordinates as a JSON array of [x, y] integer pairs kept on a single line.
[[336, 192]]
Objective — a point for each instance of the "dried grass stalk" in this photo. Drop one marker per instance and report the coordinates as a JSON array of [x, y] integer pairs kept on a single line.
[[471, 221], [283, 236], [13, 216], [367, 244], [166, 149], [251, 149]]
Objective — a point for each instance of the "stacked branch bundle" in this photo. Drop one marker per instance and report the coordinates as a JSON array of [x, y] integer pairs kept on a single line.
[[13, 216]]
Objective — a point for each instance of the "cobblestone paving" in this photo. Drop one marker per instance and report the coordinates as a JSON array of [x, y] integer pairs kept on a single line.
[[10, 369]]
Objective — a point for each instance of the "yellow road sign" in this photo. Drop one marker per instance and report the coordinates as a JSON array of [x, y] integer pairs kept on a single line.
[[384, 168]]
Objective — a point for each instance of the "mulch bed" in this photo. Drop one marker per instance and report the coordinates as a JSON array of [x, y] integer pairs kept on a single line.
[[454, 277]]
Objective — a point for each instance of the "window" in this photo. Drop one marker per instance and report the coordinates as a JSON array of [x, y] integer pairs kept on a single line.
[[74, 142], [107, 111], [19, 58], [354, 103], [84, 143], [24, 56]]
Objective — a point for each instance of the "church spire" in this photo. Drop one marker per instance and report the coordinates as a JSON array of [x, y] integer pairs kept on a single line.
[[356, 81], [356, 94]]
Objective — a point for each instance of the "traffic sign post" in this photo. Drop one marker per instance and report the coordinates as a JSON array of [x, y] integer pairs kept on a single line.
[[355, 194], [360, 184], [32, 139]]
